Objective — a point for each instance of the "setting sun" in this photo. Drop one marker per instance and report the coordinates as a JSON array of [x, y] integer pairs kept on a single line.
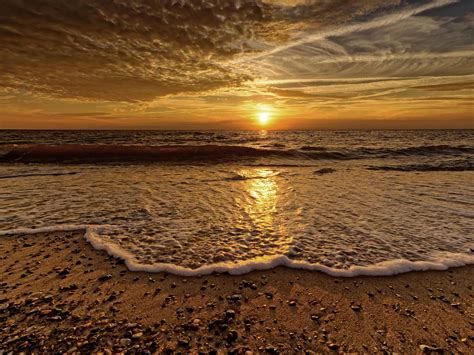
[[263, 118]]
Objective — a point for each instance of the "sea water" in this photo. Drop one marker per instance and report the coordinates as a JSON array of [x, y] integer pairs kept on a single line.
[[343, 202]]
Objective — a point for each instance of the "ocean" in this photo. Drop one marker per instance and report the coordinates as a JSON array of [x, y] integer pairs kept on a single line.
[[346, 203]]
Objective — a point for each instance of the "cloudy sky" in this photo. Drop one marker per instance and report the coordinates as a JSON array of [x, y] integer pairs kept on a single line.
[[221, 64]]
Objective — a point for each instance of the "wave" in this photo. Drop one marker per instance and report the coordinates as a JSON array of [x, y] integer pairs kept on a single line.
[[94, 153], [37, 174], [16, 142], [456, 165], [443, 261], [424, 150], [107, 153], [432, 150], [312, 148]]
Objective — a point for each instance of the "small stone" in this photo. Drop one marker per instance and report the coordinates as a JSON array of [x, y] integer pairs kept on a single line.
[[64, 272], [430, 349], [333, 346], [271, 350], [356, 308], [183, 343], [232, 336], [292, 304], [229, 314], [105, 277], [137, 335], [48, 298], [235, 298], [125, 342]]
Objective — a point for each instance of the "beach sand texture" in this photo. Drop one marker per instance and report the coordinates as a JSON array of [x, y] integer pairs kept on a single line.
[[59, 294]]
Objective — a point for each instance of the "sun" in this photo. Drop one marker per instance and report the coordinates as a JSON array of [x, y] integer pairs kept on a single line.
[[263, 118]]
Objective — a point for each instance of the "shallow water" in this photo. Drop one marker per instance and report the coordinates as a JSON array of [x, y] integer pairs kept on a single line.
[[339, 215]]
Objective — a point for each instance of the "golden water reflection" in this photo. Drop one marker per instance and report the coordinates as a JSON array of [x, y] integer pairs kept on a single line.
[[262, 188]]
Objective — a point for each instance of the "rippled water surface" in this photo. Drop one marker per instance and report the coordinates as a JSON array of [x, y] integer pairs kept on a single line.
[[376, 203]]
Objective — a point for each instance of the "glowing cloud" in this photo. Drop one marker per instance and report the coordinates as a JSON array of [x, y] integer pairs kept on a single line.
[[187, 64]]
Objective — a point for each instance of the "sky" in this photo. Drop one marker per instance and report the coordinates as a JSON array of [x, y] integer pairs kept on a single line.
[[236, 64]]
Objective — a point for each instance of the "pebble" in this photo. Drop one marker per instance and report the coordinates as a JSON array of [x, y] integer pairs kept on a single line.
[[235, 298], [137, 335], [232, 336], [271, 350], [125, 342], [430, 349], [64, 272], [183, 343], [105, 277], [229, 314]]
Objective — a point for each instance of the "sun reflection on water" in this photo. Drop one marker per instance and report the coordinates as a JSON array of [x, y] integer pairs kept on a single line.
[[263, 189]]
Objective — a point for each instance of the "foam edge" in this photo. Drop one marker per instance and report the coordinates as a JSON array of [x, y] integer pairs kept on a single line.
[[385, 268]]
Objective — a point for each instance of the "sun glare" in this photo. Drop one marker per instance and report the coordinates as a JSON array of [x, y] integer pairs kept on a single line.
[[263, 118]]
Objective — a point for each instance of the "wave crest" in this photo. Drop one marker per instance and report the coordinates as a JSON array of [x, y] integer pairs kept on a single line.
[[108, 153], [454, 165], [95, 153]]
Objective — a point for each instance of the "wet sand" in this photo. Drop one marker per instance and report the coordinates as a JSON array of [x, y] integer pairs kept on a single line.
[[59, 294]]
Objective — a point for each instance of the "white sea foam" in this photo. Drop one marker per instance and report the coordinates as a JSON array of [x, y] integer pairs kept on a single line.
[[443, 261]]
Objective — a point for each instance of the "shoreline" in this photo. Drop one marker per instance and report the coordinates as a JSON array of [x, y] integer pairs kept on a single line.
[[385, 268], [60, 294]]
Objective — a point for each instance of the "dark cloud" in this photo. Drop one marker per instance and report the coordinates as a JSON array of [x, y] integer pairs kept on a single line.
[[137, 50], [324, 52], [122, 50]]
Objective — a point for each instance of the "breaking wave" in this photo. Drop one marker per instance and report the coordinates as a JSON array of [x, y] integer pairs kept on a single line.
[[456, 165], [108, 153]]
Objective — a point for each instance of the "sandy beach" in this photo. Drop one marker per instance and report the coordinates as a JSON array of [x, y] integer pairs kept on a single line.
[[59, 294]]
